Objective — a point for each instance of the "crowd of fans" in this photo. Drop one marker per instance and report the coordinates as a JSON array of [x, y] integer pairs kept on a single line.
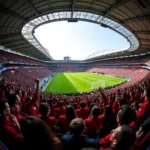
[[9, 56], [118, 120]]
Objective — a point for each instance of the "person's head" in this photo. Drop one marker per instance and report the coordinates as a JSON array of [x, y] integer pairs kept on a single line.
[[123, 137], [95, 111], [24, 93], [37, 134], [122, 101], [27, 99], [14, 97], [137, 105], [147, 92], [132, 93], [61, 104], [118, 90], [44, 109], [70, 112], [75, 106], [82, 104], [77, 127], [18, 92], [90, 108], [124, 95], [14, 103], [108, 111], [43, 100], [112, 98], [126, 115], [4, 107]]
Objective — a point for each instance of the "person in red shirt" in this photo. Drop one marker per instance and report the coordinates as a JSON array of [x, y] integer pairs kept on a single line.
[[10, 132], [61, 110], [29, 107], [4, 85], [64, 120], [23, 97], [93, 124], [122, 138], [142, 136], [82, 112], [108, 121], [118, 93], [45, 111], [52, 104], [144, 109], [125, 116], [133, 98], [15, 107]]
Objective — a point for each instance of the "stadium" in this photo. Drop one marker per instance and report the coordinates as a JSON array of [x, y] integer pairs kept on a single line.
[[99, 103]]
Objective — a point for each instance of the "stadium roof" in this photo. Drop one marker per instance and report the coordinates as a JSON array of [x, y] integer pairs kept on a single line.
[[19, 19]]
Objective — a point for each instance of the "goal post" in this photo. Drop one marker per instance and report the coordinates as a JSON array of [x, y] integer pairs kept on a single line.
[[98, 84]]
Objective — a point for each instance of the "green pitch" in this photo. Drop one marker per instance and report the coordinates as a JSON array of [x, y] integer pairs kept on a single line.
[[78, 82]]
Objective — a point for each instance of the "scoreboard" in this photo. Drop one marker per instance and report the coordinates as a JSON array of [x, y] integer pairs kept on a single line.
[[67, 58]]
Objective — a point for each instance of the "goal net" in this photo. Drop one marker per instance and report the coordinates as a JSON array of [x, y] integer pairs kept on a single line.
[[96, 85]]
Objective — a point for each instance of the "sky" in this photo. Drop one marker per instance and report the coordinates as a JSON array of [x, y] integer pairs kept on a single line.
[[77, 40]]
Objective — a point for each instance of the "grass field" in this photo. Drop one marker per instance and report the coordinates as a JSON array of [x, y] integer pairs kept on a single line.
[[77, 82]]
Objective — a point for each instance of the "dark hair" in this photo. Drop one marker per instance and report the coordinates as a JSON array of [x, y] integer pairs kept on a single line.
[[133, 93], [112, 98], [146, 125], [147, 89], [12, 100], [17, 92], [122, 101], [77, 126], [37, 134], [43, 109], [44, 100], [50, 102], [75, 106], [2, 105], [95, 111], [23, 93], [126, 114], [82, 104], [137, 105], [108, 112], [90, 109], [124, 95], [61, 103], [125, 137], [27, 99], [70, 112]]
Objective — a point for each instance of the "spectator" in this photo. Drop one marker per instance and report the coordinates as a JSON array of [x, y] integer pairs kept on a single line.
[[14, 103], [144, 109], [64, 120], [10, 132], [45, 112], [94, 122], [108, 121], [125, 116], [142, 136], [37, 135], [75, 139], [29, 108], [122, 138], [23, 97], [82, 112], [61, 110]]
